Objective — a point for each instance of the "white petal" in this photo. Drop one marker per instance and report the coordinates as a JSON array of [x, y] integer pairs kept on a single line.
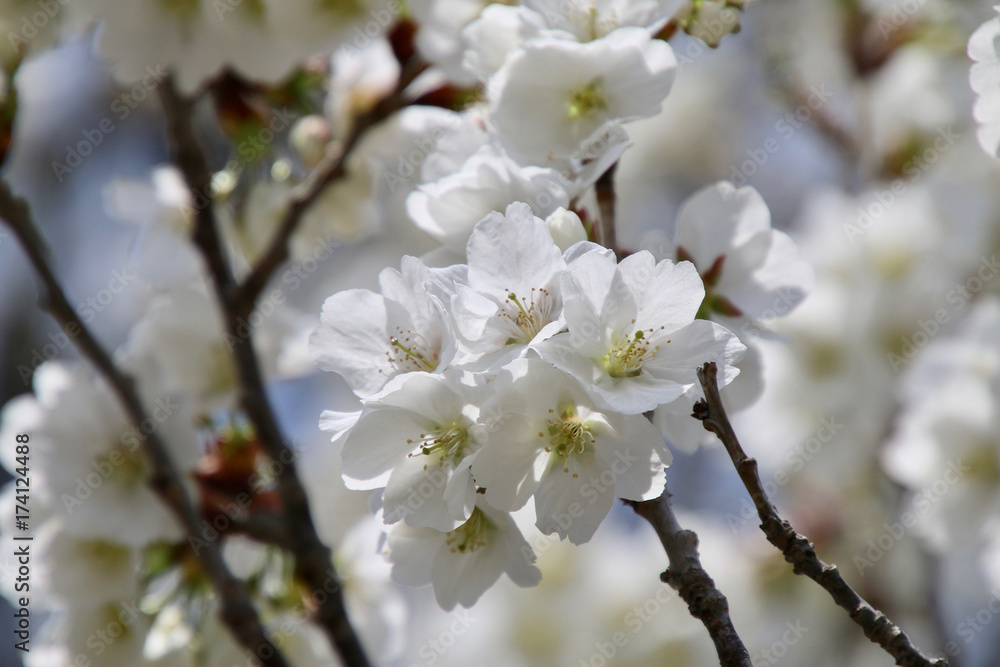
[[574, 500], [514, 251], [668, 295], [692, 346], [352, 340], [412, 552], [461, 578], [718, 218], [637, 459], [415, 493], [509, 467], [379, 442]]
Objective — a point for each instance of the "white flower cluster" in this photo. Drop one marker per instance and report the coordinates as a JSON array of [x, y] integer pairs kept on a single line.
[[945, 444], [197, 39], [552, 120], [523, 369], [516, 362], [524, 373]]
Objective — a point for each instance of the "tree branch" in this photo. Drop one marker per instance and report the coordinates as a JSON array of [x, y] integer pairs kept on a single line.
[[686, 575], [313, 559], [797, 549], [604, 189], [333, 167], [236, 608]]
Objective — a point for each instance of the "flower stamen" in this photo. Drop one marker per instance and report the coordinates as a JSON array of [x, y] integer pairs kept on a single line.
[[528, 315], [472, 534], [447, 442], [627, 357], [568, 436], [586, 101], [408, 353]]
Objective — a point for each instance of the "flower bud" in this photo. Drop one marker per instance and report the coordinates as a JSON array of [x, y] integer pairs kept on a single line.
[[309, 138], [566, 228]]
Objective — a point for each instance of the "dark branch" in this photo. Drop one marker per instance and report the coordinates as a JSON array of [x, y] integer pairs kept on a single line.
[[313, 559], [686, 575], [332, 168], [604, 189], [797, 549], [236, 609]]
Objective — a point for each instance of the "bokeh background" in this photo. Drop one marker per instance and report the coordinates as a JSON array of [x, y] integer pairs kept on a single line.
[[854, 122]]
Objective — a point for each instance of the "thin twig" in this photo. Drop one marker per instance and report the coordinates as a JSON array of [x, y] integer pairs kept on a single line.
[[686, 575], [313, 559], [332, 168], [797, 549], [236, 608]]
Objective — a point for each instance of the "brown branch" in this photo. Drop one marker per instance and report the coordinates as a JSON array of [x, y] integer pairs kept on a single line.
[[828, 127], [604, 189], [333, 167], [313, 559], [797, 549], [686, 575], [236, 608]]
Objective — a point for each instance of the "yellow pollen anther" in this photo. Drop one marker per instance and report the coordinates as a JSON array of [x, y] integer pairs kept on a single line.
[[447, 442], [626, 358]]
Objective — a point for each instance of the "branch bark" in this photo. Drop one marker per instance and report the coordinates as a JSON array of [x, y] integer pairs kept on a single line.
[[236, 609], [686, 575], [797, 549], [330, 169], [604, 189], [313, 559]]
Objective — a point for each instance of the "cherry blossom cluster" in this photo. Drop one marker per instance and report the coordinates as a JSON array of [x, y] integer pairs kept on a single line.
[[524, 374], [508, 368], [516, 361]]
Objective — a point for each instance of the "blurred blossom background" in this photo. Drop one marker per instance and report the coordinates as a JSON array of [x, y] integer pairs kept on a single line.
[[878, 423]]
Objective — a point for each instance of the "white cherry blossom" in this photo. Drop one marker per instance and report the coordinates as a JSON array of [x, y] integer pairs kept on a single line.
[[462, 563], [370, 338], [89, 464], [82, 570], [164, 212], [632, 339], [512, 296], [551, 441], [416, 439], [555, 98], [449, 208], [263, 40], [747, 267], [501, 29]]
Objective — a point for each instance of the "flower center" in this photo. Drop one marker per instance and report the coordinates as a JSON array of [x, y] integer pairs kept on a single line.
[[125, 467], [408, 351], [525, 317], [586, 101], [568, 436], [107, 556], [626, 358], [472, 534], [447, 442]]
